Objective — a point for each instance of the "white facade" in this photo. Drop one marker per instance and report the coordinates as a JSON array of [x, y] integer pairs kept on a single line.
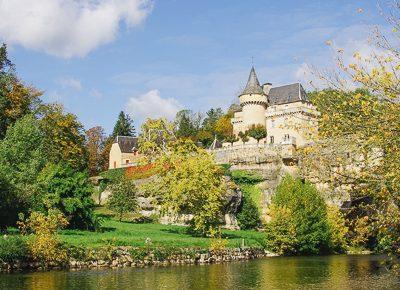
[[285, 111]]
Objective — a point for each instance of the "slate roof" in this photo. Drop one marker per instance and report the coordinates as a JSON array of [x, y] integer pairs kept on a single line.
[[127, 144], [287, 94], [253, 85]]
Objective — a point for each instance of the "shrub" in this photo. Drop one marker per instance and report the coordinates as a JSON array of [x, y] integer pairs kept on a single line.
[[45, 245], [248, 216], [338, 230], [113, 175], [13, 249], [218, 244], [281, 232], [299, 207], [141, 172], [78, 253], [70, 192], [138, 254], [163, 253], [226, 168]]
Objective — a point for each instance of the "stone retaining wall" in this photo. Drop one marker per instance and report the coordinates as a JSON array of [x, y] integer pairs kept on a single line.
[[124, 258]]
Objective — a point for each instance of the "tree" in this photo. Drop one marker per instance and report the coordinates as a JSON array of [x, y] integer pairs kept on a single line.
[[64, 136], [124, 126], [361, 128], [105, 153], [95, 141], [16, 99], [190, 183], [243, 137], [123, 198], [21, 160], [300, 207], [70, 192], [187, 124], [205, 137], [155, 136], [257, 132], [231, 139], [224, 127], [212, 116]]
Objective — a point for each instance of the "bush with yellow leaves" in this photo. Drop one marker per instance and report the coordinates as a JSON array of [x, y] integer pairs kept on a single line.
[[44, 244]]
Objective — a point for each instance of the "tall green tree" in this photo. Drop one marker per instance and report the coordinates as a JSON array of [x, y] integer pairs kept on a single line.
[[300, 208], [212, 116], [187, 124], [21, 160], [123, 198], [124, 126]]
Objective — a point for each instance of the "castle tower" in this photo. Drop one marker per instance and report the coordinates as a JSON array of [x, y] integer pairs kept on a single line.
[[254, 102]]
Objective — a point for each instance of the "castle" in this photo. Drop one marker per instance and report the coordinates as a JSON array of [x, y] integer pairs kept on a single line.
[[284, 111]]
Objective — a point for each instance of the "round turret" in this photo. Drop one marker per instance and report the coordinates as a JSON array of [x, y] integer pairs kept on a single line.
[[253, 101]]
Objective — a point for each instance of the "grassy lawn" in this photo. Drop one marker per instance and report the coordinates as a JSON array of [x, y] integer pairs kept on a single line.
[[129, 234]]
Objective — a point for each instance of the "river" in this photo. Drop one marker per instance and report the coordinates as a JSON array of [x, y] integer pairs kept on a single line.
[[326, 272]]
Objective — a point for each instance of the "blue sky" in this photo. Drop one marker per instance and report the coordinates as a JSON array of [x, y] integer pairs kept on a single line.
[[152, 58]]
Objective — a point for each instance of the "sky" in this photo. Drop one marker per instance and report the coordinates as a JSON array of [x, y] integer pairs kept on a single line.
[[153, 58]]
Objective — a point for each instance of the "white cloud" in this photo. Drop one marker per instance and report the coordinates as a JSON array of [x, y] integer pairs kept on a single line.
[[69, 83], [68, 28], [152, 105], [96, 94]]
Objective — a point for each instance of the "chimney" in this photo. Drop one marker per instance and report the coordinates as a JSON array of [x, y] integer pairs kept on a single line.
[[266, 87]]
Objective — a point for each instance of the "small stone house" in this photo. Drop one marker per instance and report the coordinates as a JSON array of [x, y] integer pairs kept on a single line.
[[124, 152]]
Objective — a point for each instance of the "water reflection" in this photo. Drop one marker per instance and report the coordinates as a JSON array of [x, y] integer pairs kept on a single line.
[[331, 272]]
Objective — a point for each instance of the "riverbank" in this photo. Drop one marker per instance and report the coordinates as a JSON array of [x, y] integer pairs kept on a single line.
[[128, 244], [121, 257]]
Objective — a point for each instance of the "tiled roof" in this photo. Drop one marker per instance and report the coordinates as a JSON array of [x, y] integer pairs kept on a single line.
[[253, 85], [287, 94], [127, 144]]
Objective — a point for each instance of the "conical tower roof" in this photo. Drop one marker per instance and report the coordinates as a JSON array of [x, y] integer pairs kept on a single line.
[[253, 85]]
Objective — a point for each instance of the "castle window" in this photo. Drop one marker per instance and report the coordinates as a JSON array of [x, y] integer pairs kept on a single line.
[[272, 124], [127, 161], [115, 164], [271, 139], [287, 137]]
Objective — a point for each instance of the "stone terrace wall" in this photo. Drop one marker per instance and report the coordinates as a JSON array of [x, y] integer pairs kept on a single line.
[[266, 160]]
